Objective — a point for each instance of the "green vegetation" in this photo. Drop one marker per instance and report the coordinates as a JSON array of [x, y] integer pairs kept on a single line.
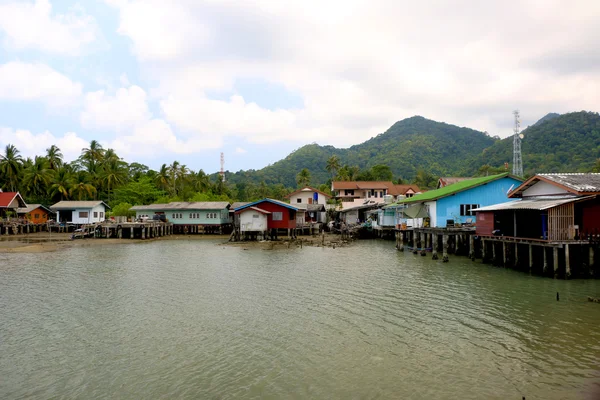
[[414, 150]]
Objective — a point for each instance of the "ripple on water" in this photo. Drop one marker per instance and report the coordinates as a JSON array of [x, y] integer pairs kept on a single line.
[[197, 320]]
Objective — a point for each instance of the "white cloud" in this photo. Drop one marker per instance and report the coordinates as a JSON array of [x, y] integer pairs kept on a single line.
[[360, 66], [31, 145], [239, 150], [33, 26], [26, 82], [127, 108]]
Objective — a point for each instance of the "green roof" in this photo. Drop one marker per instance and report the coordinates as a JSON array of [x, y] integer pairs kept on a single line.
[[454, 188]]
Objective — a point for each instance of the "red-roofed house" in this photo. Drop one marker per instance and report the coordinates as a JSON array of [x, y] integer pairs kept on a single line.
[[10, 202], [353, 193]]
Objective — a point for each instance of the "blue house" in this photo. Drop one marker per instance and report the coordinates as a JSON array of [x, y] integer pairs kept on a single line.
[[454, 204]]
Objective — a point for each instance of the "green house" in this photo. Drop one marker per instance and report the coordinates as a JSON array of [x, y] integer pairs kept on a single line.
[[192, 214]]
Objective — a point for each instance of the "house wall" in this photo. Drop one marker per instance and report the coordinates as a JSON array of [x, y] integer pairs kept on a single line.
[[485, 223], [591, 219], [42, 216], [253, 221], [95, 214], [387, 217], [190, 217], [433, 219], [351, 217], [289, 216], [542, 188], [494, 192], [305, 196]]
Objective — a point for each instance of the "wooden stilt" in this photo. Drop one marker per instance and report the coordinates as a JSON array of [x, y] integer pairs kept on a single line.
[[530, 258], [423, 243], [472, 247], [434, 247], [445, 248], [545, 268], [555, 261], [504, 254], [483, 252], [567, 262]]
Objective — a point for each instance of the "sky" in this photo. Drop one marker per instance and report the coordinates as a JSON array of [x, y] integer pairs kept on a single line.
[[185, 80]]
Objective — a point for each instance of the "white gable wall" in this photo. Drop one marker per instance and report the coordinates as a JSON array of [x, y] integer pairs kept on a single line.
[[95, 214], [542, 188], [304, 196], [253, 221]]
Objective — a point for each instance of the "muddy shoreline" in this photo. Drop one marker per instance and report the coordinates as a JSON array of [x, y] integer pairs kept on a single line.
[[43, 242]]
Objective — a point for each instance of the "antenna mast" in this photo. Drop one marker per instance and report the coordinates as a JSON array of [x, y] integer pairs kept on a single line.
[[517, 169], [222, 173]]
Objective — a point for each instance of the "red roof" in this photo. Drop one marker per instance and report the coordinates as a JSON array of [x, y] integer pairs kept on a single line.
[[337, 185], [397, 190], [8, 197]]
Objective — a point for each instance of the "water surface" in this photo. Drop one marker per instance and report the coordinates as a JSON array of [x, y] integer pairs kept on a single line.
[[193, 319]]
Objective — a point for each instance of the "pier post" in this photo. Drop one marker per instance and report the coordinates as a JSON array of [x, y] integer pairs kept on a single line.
[[592, 264], [483, 254], [472, 247], [516, 254], [434, 247], [555, 260], [530, 258], [131, 233], [423, 243], [445, 249], [143, 233], [120, 233], [416, 242], [567, 263], [504, 254], [401, 243], [545, 260]]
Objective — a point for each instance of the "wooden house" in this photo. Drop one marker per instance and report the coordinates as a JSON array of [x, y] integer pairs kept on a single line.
[[80, 212], [551, 207], [308, 195], [35, 213], [455, 204], [189, 217], [282, 215], [353, 194], [253, 220], [10, 202]]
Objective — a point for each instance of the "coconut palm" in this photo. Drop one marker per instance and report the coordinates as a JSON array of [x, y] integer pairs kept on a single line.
[[61, 183], [162, 178], [37, 177], [92, 155], [333, 165], [303, 178], [11, 164], [80, 187], [114, 171], [54, 157]]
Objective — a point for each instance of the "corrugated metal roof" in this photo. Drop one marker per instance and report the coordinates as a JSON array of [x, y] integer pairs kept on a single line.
[[260, 210], [7, 197], [31, 207], [577, 183], [281, 203], [533, 204], [184, 205], [69, 205], [337, 185]]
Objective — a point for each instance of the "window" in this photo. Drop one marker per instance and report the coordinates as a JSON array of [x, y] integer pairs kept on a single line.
[[95, 214], [277, 216], [465, 209], [36, 216], [83, 214], [255, 215], [101, 214], [349, 192], [298, 200], [173, 216]]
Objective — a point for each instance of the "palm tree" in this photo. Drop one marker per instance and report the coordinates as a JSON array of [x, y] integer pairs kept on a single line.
[[200, 181], [114, 173], [54, 157], [61, 183], [37, 176], [162, 178], [80, 186], [93, 154], [303, 178], [11, 164], [333, 165]]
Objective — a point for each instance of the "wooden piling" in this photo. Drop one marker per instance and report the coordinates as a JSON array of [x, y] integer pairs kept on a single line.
[[555, 261], [530, 258], [545, 268], [434, 247], [567, 262], [472, 247], [445, 248], [423, 243], [483, 252]]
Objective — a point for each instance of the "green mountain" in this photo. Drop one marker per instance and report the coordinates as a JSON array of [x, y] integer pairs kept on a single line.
[[556, 143], [565, 143], [409, 145]]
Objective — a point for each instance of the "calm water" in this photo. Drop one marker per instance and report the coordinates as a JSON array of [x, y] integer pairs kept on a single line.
[[192, 319]]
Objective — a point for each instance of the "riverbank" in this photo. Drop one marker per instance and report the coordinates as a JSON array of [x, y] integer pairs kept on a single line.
[[44, 242]]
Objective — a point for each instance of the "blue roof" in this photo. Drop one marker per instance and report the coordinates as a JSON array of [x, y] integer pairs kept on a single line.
[[281, 203]]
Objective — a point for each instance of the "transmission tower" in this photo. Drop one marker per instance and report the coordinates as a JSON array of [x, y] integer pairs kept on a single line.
[[517, 169], [222, 173]]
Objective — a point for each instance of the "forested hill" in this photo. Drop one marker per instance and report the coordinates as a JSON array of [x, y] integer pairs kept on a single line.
[[409, 145], [565, 143]]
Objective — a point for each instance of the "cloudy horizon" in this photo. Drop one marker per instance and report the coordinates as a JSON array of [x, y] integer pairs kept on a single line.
[[186, 80]]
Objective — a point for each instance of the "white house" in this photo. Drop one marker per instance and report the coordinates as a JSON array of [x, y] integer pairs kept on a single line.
[[253, 219], [308, 195], [80, 212]]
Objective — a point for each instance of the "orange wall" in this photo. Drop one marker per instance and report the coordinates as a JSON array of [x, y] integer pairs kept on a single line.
[[42, 216]]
